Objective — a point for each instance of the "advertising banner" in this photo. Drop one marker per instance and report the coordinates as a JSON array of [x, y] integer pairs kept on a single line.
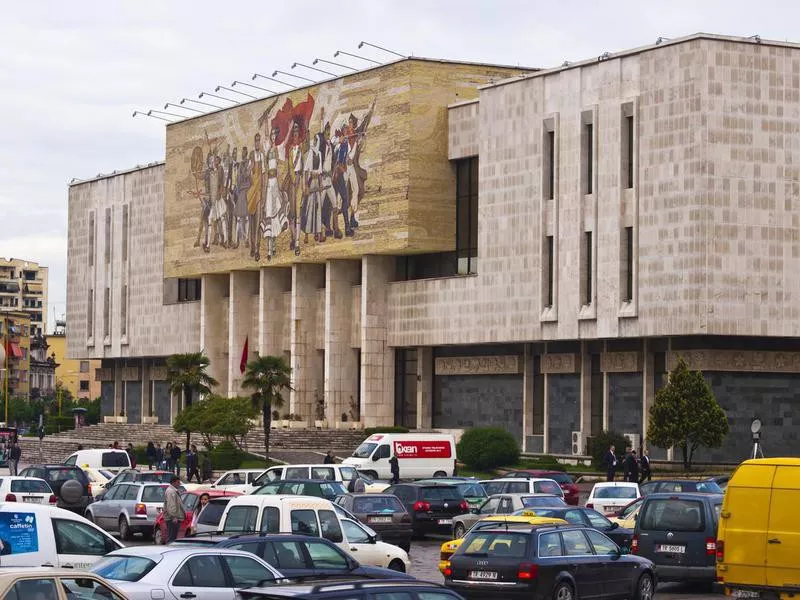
[[18, 533], [432, 449]]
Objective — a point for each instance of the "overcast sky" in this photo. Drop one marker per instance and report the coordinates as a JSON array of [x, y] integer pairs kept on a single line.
[[71, 73]]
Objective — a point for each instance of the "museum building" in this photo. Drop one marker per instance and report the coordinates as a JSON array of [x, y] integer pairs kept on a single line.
[[442, 245]]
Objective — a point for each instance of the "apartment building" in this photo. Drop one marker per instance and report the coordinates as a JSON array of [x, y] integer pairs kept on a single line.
[[77, 376], [15, 336], [23, 287]]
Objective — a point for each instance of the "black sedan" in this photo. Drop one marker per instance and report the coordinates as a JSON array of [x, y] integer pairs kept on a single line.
[[588, 518], [563, 562]]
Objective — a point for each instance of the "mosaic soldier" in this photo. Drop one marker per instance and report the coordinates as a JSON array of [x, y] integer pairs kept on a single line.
[[341, 151], [240, 187], [275, 220], [219, 206], [293, 183], [231, 166], [355, 175], [255, 195], [312, 206], [199, 173]]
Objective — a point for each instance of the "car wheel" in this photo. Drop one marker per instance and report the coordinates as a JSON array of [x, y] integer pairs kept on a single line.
[[158, 537], [459, 531], [440, 474], [644, 589], [397, 565], [563, 591], [124, 530]]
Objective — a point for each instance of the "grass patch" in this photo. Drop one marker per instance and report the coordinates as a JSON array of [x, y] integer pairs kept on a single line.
[[467, 472], [254, 462]]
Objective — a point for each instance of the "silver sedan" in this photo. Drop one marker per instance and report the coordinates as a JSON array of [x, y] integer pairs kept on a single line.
[[181, 572], [501, 504]]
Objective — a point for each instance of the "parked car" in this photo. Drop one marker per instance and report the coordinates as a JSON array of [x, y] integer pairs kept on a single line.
[[352, 590], [238, 480], [548, 561], [69, 484], [46, 535], [319, 488], [588, 517], [608, 497], [628, 515], [469, 487], [678, 486], [45, 583], [109, 459], [519, 485], [28, 490], [571, 491], [432, 507], [382, 512], [721, 481], [137, 476], [678, 532], [129, 508], [326, 472], [499, 504], [98, 478], [209, 517], [147, 572], [190, 501]]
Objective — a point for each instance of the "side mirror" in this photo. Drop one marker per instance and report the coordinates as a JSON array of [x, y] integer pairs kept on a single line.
[[375, 458], [373, 539]]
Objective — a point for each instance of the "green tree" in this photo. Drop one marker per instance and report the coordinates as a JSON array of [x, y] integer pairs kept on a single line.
[[267, 376], [686, 414], [186, 375], [217, 416]]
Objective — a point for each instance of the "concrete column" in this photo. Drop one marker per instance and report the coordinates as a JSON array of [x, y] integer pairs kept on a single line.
[[242, 307], [546, 416], [586, 390], [213, 328], [377, 358], [648, 387], [307, 363], [424, 387], [273, 322], [527, 396], [605, 394], [341, 360], [118, 386], [147, 389]]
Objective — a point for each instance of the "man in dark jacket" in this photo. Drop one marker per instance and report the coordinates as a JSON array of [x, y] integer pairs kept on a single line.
[[632, 466], [626, 464], [395, 467], [176, 458], [329, 458], [644, 463], [207, 469], [610, 462], [191, 464], [13, 458]]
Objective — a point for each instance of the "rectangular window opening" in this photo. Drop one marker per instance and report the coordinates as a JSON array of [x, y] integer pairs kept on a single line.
[[549, 155], [123, 308], [467, 215], [91, 239], [588, 156], [125, 233], [627, 252], [90, 314], [550, 273], [587, 268], [108, 236], [627, 150], [106, 312]]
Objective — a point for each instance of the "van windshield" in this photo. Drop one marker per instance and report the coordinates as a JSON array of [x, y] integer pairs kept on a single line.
[[365, 450]]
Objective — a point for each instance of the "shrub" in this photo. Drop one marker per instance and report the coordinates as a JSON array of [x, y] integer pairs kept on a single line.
[[396, 429], [485, 448], [140, 452], [226, 455], [598, 446], [55, 424]]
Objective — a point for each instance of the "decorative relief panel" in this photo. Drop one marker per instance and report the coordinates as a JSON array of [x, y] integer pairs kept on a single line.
[[131, 374], [559, 363], [104, 374], [621, 362], [738, 360], [158, 373], [478, 365]]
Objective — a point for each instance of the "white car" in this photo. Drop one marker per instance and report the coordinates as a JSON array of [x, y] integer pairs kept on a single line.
[[609, 497], [98, 478], [519, 485], [182, 571], [238, 480], [29, 490], [365, 547]]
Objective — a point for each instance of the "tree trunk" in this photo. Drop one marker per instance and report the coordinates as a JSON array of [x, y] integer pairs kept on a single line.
[[686, 462], [266, 408]]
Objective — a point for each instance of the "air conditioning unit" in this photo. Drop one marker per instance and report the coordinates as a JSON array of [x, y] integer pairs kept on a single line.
[[634, 438], [578, 443]]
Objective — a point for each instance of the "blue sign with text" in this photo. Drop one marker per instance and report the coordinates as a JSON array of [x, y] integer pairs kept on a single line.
[[18, 533]]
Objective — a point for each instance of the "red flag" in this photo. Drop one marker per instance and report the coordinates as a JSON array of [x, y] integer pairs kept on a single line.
[[243, 362]]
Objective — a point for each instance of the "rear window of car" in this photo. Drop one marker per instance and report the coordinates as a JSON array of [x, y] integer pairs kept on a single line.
[[446, 492], [709, 487], [378, 504], [672, 514], [615, 492], [471, 490], [65, 474], [547, 487], [115, 459], [30, 485], [496, 544], [123, 568], [212, 513], [153, 493], [155, 477]]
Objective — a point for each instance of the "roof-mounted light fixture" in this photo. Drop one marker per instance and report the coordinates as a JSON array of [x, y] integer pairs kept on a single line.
[[362, 44]]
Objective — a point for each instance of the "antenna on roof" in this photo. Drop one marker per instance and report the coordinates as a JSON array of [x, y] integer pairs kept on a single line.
[[237, 82], [335, 64], [293, 75], [661, 39], [297, 64], [198, 102], [168, 104]]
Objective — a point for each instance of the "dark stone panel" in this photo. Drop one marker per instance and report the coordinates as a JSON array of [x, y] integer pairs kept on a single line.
[[463, 401], [161, 402], [535, 444], [133, 401], [482, 350], [625, 402], [107, 398], [564, 412]]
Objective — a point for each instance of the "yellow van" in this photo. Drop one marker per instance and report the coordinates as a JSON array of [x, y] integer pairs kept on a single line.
[[758, 541]]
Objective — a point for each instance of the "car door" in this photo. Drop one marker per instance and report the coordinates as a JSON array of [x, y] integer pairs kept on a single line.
[[79, 545], [619, 535], [203, 577], [113, 506], [247, 572], [618, 573], [100, 509], [326, 559], [362, 546], [578, 554]]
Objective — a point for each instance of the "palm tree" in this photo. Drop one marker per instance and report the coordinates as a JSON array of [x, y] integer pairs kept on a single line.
[[186, 374], [267, 376]]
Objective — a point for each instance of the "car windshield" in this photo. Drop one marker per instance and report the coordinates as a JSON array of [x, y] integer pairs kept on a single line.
[[445, 492], [123, 568], [30, 486], [616, 492], [377, 504], [531, 501], [365, 450], [332, 489], [471, 490], [155, 477], [153, 493], [499, 544]]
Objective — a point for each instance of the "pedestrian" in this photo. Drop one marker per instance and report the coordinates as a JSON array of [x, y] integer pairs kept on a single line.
[[201, 504], [13, 458], [159, 456], [191, 464], [644, 467], [610, 462], [176, 458], [626, 464], [395, 467], [174, 514], [131, 455], [115, 445], [632, 467], [207, 469], [150, 452], [168, 457], [329, 458]]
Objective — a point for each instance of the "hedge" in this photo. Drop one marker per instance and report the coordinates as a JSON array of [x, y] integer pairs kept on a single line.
[[484, 448], [226, 455], [55, 424], [599, 444]]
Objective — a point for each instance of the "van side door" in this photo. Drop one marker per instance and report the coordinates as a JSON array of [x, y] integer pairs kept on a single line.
[[783, 534]]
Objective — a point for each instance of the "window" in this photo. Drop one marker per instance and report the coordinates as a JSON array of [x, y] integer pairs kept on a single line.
[[506, 506], [108, 236], [382, 452], [84, 366], [132, 493], [73, 537], [296, 473], [90, 314], [247, 572], [32, 486], [115, 459], [85, 588], [597, 520], [575, 543], [212, 513], [270, 520], [435, 596], [304, 522], [91, 240], [324, 556], [467, 215], [348, 473], [574, 517], [587, 155], [106, 312], [549, 261], [189, 290], [124, 568], [201, 571], [602, 545], [329, 524], [586, 252], [546, 487], [123, 310], [627, 146], [251, 547], [672, 515], [38, 589], [241, 518], [517, 487], [549, 545], [627, 264], [323, 473], [125, 233], [288, 555], [354, 533], [270, 488], [393, 596], [497, 544], [549, 156], [373, 503], [84, 385], [153, 493]]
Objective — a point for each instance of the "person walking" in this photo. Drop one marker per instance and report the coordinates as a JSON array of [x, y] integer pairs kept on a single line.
[[329, 458], [610, 462], [174, 513], [150, 452], [14, 454], [159, 456], [168, 457], [207, 469], [191, 464], [626, 464], [632, 466], [395, 468], [131, 454], [644, 467], [176, 459]]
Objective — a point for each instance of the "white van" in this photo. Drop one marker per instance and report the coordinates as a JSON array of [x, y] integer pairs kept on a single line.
[[419, 455], [329, 472], [35, 535], [107, 459]]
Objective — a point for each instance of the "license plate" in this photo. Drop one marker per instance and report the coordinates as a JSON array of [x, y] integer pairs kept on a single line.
[[379, 520], [483, 575], [745, 594], [445, 521], [671, 549], [32, 499]]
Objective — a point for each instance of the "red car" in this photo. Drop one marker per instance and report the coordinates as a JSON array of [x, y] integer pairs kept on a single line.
[[571, 491], [190, 501]]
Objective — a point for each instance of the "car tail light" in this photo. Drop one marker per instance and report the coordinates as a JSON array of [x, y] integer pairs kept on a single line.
[[711, 546], [463, 506], [448, 571], [11, 498], [422, 506], [589, 505], [635, 545], [720, 551], [141, 509], [53, 499], [527, 571]]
